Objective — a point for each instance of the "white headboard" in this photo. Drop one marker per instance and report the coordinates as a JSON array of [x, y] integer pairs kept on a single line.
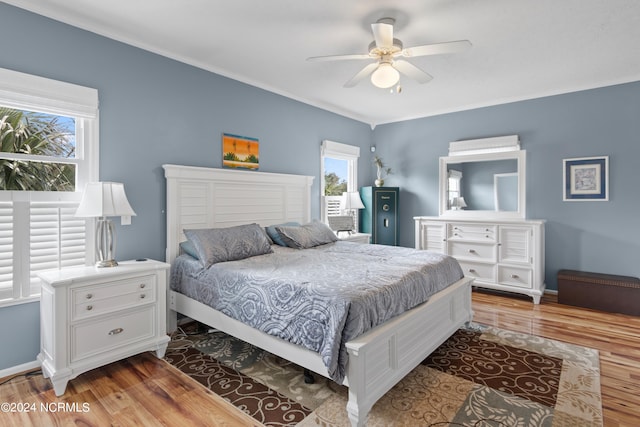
[[214, 198]]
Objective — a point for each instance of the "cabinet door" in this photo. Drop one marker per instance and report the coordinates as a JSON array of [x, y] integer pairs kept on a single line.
[[433, 237], [515, 244], [386, 217]]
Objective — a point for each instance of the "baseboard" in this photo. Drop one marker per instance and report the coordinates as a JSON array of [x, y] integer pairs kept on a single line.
[[29, 366], [551, 291]]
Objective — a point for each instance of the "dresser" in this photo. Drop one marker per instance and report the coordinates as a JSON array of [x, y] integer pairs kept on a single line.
[[90, 317], [379, 218], [502, 255]]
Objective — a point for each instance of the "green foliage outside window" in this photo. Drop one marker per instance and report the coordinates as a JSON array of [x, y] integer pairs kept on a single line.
[[333, 186], [36, 134]]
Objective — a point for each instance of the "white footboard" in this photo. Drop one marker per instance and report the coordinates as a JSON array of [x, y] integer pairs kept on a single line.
[[383, 356]]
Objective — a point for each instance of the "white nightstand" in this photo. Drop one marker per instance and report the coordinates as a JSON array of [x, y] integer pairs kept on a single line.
[[356, 237], [90, 317]]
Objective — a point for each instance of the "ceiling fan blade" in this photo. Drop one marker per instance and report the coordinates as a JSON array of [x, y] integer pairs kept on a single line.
[[436, 48], [339, 57], [361, 75], [412, 71], [382, 34]]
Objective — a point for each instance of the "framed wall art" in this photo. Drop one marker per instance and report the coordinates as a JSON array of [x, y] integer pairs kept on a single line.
[[240, 152], [586, 179]]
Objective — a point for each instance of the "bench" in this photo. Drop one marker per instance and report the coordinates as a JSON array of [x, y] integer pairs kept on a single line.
[[606, 292]]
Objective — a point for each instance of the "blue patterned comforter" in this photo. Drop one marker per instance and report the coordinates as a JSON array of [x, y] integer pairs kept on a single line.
[[318, 298]]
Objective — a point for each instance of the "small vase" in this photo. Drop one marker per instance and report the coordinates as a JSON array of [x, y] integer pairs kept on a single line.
[[379, 182]]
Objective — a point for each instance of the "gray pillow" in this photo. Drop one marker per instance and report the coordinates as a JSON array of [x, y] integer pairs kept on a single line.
[[306, 236], [275, 236], [228, 244], [188, 248]]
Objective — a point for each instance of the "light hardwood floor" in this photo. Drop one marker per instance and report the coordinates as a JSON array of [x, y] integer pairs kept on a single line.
[[144, 391]]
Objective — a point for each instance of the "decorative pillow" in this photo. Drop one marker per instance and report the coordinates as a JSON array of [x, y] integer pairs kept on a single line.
[[306, 236], [228, 244], [275, 236], [188, 248]]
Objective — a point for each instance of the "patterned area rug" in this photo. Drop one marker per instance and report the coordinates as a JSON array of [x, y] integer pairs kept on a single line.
[[481, 376]]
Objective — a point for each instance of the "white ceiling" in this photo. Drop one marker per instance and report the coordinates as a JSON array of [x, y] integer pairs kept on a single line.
[[522, 49]]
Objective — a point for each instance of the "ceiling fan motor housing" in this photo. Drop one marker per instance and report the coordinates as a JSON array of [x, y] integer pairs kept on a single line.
[[377, 51]]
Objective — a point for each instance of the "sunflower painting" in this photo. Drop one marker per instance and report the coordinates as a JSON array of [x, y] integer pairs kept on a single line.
[[239, 152]]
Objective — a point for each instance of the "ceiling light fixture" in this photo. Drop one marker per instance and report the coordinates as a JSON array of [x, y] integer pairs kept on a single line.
[[385, 76]]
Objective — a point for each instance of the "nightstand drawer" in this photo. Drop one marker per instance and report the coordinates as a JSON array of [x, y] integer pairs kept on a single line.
[[111, 296], [93, 337]]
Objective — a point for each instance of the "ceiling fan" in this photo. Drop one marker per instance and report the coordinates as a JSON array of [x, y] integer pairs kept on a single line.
[[385, 72]]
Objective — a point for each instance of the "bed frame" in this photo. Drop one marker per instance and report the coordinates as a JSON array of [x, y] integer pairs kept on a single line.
[[211, 198]]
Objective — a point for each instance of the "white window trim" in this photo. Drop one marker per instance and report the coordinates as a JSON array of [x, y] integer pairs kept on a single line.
[[338, 150], [33, 93]]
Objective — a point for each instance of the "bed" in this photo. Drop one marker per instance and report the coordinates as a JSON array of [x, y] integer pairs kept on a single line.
[[204, 198]]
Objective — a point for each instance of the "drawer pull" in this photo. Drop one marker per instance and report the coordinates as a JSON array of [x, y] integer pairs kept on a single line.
[[89, 307], [472, 251], [142, 285], [89, 296], [472, 270], [116, 331], [142, 296], [487, 236], [515, 276]]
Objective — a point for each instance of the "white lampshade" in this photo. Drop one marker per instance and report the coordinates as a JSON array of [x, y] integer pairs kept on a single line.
[[458, 203], [104, 199], [385, 76], [351, 200]]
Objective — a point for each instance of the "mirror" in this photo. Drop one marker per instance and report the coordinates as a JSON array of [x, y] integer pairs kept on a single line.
[[487, 185]]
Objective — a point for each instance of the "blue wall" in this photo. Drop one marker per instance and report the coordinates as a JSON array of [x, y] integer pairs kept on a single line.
[[154, 111], [591, 236]]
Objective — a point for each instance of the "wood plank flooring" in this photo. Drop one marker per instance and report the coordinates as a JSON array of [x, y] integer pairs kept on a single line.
[[144, 391], [138, 391]]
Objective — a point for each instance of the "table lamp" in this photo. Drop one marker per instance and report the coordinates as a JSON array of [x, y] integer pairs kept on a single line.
[[101, 200]]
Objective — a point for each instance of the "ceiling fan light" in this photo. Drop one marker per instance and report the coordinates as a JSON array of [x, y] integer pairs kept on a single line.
[[385, 76]]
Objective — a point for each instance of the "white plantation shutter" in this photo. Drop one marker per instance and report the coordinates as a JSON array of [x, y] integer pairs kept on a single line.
[[56, 240], [333, 205], [6, 251]]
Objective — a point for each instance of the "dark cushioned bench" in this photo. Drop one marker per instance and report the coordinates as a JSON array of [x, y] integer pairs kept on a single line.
[[606, 292]]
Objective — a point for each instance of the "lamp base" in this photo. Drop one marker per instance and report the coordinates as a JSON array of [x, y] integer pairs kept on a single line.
[[105, 243], [107, 263]]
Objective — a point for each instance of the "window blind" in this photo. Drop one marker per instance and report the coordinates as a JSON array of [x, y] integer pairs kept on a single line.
[[56, 240]]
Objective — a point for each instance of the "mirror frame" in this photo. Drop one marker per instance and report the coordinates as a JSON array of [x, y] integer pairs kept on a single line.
[[520, 156]]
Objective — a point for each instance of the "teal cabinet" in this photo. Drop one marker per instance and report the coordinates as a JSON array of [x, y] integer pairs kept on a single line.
[[380, 214]]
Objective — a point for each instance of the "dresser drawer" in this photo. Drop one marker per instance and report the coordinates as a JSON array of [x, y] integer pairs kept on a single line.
[[473, 251], [479, 271], [479, 232], [515, 276], [98, 336], [111, 296]]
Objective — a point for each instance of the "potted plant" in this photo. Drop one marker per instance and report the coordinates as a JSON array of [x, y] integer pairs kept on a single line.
[[382, 171]]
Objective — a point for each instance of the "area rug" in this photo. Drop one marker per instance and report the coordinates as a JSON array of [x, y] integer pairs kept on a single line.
[[481, 376]]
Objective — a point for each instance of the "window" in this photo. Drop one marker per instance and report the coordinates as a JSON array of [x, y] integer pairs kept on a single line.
[[453, 187], [339, 173], [48, 152]]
